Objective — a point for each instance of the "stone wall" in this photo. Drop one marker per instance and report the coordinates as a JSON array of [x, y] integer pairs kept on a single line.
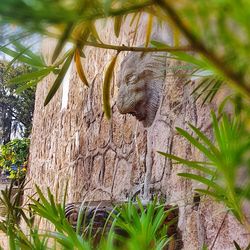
[[117, 159]]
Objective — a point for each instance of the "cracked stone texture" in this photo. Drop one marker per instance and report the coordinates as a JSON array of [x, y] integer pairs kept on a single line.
[[117, 159]]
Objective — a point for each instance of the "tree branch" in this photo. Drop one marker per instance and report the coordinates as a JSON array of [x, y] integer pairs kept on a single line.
[[236, 79], [137, 49]]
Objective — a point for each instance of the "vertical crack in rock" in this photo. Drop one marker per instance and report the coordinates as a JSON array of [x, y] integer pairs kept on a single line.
[[149, 164]]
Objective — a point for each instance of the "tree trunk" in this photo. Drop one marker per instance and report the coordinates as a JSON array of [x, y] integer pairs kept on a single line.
[[6, 125]]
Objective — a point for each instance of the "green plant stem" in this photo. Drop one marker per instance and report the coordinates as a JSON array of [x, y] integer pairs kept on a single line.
[[137, 49], [236, 80]]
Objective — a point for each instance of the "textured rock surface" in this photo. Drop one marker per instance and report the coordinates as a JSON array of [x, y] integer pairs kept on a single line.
[[118, 159]]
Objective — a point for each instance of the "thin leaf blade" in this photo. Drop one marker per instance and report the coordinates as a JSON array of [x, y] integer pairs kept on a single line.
[[59, 79], [106, 87], [79, 67]]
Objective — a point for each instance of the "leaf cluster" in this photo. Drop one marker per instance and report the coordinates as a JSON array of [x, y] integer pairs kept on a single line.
[[15, 105], [15, 153], [226, 158], [130, 226]]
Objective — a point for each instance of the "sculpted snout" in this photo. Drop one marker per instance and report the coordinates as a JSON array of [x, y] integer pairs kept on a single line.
[[126, 102], [122, 104], [139, 87]]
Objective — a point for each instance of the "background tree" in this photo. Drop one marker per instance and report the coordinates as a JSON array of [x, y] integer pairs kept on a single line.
[[16, 107]]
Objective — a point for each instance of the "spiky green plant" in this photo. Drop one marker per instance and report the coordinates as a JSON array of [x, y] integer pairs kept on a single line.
[[142, 225], [227, 154], [132, 226], [15, 153]]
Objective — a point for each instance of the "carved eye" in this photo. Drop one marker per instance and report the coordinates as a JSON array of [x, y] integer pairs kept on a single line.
[[130, 79]]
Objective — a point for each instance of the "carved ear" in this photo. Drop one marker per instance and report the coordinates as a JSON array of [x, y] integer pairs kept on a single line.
[[121, 69]]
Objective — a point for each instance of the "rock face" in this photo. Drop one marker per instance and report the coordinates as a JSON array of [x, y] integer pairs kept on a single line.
[[116, 159]]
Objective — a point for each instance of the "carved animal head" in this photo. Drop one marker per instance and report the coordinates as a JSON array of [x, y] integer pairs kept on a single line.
[[140, 83]]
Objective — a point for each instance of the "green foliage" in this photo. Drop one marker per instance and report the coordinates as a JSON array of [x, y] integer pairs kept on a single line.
[[131, 227], [226, 157], [214, 36], [16, 109], [22, 54], [59, 79], [144, 226], [208, 28], [72, 21], [15, 153], [11, 199]]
